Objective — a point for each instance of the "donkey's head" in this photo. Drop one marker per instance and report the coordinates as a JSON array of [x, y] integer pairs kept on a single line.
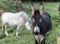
[[36, 12]]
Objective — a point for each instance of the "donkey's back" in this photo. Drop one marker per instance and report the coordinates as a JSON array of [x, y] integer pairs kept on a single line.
[[11, 18]]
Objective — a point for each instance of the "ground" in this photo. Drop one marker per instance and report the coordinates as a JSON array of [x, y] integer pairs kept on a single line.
[[26, 37]]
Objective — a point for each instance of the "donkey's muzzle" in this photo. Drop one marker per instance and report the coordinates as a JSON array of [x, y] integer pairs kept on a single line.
[[36, 30]]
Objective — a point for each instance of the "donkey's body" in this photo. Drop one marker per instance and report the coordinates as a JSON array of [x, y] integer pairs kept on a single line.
[[46, 20], [12, 19]]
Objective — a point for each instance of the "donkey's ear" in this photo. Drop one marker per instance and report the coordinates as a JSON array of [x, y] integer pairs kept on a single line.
[[41, 7], [32, 8]]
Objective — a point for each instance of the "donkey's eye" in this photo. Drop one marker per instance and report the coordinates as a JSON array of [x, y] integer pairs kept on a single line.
[[40, 20], [33, 20]]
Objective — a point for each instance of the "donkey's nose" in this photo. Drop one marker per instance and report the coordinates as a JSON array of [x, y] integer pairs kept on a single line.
[[36, 29]]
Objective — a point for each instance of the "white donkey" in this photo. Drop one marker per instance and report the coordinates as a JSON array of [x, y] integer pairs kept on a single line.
[[12, 19]]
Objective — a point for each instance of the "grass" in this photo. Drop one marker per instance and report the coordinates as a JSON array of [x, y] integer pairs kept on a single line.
[[26, 37]]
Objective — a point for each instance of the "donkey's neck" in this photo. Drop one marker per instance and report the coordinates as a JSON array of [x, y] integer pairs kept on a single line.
[[24, 20]]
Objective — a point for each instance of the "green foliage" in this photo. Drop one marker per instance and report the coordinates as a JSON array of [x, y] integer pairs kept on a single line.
[[7, 5]]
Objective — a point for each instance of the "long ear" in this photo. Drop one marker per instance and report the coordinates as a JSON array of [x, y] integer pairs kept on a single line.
[[32, 8], [41, 8]]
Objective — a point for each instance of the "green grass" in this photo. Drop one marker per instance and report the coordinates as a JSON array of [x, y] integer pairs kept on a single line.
[[26, 37]]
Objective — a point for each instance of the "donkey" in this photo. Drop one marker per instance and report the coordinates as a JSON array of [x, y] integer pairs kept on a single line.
[[19, 19], [41, 24]]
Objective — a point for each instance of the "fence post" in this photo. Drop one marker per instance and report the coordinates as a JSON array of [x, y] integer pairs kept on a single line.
[[1, 11], [58, 39]]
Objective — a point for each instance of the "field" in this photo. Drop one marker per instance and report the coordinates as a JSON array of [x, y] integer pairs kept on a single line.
[[26, 37]]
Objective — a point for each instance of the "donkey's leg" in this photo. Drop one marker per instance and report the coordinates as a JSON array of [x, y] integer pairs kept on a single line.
[[42, 39], [22, 27], [17, 30], [36, 39], [4, 29], [36, 42]]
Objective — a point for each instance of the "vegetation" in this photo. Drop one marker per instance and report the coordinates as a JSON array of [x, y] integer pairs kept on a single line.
[[26, 37]]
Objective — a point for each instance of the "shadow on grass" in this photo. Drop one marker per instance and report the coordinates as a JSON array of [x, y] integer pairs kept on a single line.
[[12, 30], [2, 36]]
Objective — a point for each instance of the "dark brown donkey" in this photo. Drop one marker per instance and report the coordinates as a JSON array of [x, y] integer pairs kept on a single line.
[[41, 24]]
